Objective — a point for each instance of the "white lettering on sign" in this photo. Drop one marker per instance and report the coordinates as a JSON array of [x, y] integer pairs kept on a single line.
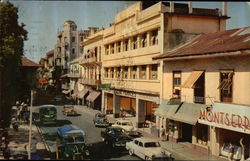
[[131, 94]]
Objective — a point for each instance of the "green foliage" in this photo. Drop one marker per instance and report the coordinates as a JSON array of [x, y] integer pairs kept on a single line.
[[12, 36]]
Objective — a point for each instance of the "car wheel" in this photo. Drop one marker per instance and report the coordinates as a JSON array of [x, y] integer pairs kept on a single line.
[[130, 152]]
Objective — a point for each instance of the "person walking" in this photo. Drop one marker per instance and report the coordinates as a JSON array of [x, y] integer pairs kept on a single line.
[[163, 133]]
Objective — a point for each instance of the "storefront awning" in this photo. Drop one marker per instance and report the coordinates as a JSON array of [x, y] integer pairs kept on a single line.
[[189, 83], [188, 113], [166, 109], [74, 95], [82, 93], [93, 95]]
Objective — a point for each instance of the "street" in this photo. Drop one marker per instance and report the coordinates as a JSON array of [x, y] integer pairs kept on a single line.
[[98, 150]]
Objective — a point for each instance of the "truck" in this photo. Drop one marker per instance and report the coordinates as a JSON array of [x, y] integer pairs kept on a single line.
[[71, 143]]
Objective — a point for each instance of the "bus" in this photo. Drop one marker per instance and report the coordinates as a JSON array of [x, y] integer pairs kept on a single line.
[[48, 114]]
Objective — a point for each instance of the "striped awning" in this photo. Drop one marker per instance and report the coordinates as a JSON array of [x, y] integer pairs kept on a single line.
[[93, 95], [82, 93], [189, 83]]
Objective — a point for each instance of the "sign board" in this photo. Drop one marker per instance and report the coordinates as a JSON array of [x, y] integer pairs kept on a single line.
[[125, 93], [103, 86], [227, 116]]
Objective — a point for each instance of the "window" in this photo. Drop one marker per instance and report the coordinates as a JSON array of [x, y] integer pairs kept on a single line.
[[154, 38], [107, 49], [106, 73], [81, 38], [95, 52], [126, 45], [73, 39], [112, 72], [118, 72], [154, 72], [144, 40], [176, 83], [73, 51], [135, 43], [143, 74], [134, 72], [118, 47], [112, 48], [125, 73], [225, 86]]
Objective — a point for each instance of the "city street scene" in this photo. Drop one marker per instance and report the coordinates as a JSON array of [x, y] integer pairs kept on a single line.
[[124, 80]]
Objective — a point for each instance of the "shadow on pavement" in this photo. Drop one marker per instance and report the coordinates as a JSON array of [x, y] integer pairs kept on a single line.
[[57, 124], [99, 151]]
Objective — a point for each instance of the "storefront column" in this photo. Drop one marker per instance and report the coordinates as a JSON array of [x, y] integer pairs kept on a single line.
[[104, 102], [214, 141], [116, 105], [194, 134], [140, 113]]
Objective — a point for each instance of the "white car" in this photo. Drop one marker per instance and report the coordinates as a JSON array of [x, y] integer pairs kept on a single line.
[[127, 125], [148, 149]]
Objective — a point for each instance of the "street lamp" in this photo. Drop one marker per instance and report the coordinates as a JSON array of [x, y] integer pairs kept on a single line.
[[30, 127]]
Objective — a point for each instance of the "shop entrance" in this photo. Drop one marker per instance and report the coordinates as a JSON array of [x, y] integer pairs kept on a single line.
[[186, 133], [109, 103]]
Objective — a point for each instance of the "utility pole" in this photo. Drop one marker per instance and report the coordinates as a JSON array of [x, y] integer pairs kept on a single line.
[[30, 127]]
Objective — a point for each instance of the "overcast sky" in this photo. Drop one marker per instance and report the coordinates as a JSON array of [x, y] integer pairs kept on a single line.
[[44, 18]]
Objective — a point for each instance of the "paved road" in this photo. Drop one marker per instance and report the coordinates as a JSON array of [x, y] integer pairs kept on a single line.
[[98, 150]]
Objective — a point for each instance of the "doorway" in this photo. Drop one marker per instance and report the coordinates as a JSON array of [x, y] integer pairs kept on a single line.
[[186, 133]]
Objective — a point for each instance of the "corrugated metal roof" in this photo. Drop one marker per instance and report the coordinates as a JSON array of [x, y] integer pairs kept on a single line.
[[28, 63], [218, 42]]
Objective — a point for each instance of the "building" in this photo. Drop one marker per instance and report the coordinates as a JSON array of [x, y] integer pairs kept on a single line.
[[211, 74], [90, 63], [67, 49], [139, 33]]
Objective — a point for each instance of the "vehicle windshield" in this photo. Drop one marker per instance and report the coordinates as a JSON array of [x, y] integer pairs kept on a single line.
[[118, 131], [79, 139], [100, 115], [152, 144]]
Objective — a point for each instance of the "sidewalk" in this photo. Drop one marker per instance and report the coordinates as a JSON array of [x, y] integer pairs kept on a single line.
[[19, 139], [180, 151]]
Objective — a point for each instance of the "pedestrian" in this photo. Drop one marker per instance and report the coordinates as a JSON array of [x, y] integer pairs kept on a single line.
[[163, 133]]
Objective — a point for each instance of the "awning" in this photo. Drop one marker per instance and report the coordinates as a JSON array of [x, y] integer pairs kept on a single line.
[[188, 113], [189, 83], [82, 93], [93, 95], [67, 91], [166, 109], [64, 76], [74, 95]]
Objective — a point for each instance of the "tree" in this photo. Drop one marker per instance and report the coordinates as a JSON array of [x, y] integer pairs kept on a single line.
[[12, 37]]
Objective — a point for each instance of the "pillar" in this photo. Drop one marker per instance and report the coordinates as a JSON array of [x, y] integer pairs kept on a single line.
[[104, 102], [147, 72], [194, 134], [116, 105], [140, 113]]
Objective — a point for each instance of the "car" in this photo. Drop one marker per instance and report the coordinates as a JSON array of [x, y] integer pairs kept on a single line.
[[115, 136], [148, 149], [126, 124], [100, 120], [68, 110], [48, 114]]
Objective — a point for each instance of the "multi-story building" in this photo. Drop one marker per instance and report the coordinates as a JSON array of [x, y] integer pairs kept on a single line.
[[90, 62], [67, 49], [139, 33], [211, 73]]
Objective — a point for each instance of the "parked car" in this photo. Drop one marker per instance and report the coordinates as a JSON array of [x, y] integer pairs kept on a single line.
[[125, 124], [48, 114], [100, 120], [115, 136], [148, 149], [69, 110]]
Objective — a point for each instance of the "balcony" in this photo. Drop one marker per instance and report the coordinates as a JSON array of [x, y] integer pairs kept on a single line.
[[92, 82], [74, 75], [92, 60], [198, 99]]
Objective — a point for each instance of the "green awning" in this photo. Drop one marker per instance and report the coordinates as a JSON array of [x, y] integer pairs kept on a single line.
[[166, 109], [188, 113]]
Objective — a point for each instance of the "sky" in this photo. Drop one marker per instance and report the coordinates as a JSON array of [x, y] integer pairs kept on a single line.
[[43, 19]]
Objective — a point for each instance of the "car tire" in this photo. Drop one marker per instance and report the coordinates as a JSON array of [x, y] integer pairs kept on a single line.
[[130, 152]]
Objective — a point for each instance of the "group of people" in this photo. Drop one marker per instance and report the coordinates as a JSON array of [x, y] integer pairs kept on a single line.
[[4, 143]]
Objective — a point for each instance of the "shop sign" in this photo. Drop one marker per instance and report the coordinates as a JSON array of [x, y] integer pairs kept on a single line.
[[103, 86], [125, 93], [154, 99], [236, 119]]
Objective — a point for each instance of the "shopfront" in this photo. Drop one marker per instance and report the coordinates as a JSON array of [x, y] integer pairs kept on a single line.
[[232, 125], [109, 109]]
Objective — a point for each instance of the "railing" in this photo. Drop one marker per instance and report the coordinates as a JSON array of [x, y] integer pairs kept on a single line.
[[74, 75], [198, 99], [88, 60]]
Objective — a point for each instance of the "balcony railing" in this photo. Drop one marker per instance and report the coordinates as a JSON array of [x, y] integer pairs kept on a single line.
[[90, 81], [74, 75], [89, 60], [198, 99]]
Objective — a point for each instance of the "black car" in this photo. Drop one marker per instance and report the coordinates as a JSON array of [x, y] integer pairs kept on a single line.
[[115, 136], [100, 120]]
